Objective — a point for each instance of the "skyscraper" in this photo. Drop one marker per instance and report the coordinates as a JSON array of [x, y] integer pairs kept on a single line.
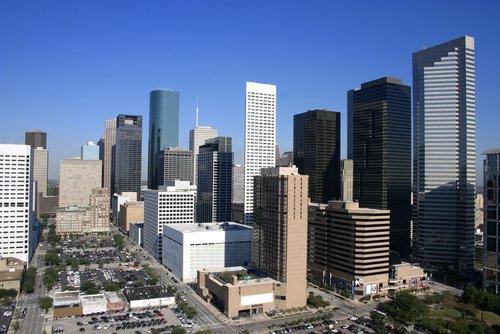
[[128, 154], [40, 169], [346, 180], [380, 112], [163, 128], [215, 181], [36, 138], [89, 151], [279, 239], [197, 137], [16, 199], [316, 152], [175, 164], [107, 154], [491, 274], [238, 183], [260, 137], [444, 153], [77, 178]]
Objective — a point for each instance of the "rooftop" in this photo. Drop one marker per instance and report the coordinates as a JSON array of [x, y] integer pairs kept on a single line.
[[88, 299], [492, 151], [64, 296], [209, 227], [149, 292]]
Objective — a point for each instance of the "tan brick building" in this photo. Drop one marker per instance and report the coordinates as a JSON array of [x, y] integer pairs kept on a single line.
[[11, 273], [131, 212]]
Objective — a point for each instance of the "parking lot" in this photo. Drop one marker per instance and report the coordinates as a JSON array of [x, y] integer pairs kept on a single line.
[[348, 325], [6, 311], [123, 277]]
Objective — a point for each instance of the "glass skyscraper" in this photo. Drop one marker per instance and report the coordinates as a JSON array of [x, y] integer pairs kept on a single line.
[[444, 172], [379, 115], [163, 128]]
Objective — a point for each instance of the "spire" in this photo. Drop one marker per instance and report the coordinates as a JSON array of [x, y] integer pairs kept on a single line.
[[197, 111]]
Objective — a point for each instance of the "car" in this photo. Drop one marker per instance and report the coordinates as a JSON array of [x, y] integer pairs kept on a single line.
[[82, 329], [79, 323]]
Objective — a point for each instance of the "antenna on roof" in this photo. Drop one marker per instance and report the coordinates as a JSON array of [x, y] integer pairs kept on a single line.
[[197, 111]]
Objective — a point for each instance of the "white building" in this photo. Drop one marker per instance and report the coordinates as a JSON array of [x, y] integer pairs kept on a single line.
[[260, 137], [117, 201], [92, 304], [197, 137], [16, 201], [173, 203], [152, 296], [191, 247]]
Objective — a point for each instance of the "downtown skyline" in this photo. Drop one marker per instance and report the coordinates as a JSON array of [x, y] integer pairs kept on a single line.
[[66, 77]]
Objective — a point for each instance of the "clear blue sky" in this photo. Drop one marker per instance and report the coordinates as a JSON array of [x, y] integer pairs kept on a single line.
[[66, 66]]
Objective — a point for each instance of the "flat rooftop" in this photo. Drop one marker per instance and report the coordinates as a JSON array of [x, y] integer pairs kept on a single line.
[[66, 296], [149, 292], [87, 299], [209, 227]]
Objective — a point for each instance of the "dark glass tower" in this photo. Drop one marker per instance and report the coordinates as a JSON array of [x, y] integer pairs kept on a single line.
[[163, 128], [215, 181], [36, 138], [380, 112], [316, 152], [127, 154]]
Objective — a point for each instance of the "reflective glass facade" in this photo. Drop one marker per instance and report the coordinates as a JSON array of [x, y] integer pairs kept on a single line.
[[128, 154]]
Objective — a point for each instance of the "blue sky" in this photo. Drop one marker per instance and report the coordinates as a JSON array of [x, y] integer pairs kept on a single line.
[[66, 66]]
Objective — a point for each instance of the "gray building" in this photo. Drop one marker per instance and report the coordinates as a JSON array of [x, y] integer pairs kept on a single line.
[[36, 138], [491, 231], [174, 163], [163, 129], [238, 184], [128, 154], [346, 180], [444, 172], [215, 181], [316, 152], [380, 112]]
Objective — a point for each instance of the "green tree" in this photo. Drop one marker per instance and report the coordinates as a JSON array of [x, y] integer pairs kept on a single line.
[[50, 277], [89, 288], [406, 307], [178, 331], [29, 280], [45, 303], [110, 286], [52, 258]]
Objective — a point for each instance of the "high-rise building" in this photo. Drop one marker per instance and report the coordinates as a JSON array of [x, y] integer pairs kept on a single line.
[[89, 151], [77, 178], [380, 112], [163, 128], [444, 172], [346, 180], [279, 239], [175, 164], [40, 169], [36, 138], [16, 201], [491, 243], [131, 213], [128, 154], [197, 137], [348, 247], [215, 181], [238, 183], [316, 152], [173, 203], [98, 211], [260, 137], [107, 154], [117, 201]]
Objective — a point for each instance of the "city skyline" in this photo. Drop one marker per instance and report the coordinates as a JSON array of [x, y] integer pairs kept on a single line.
[[85, 89]]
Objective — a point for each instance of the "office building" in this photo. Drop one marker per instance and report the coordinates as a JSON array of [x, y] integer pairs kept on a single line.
[[128, 154], [380, 112], [173, 203], [174, 163], [286, 160], [491, 275], [89, 151], [131, 213], [348, 247], [479, 212], [16, 201], [260, 137], [77, 178], [197, 137], [346, 180], [316, 152], [109, 140], [215, 181], [238, 183], [444, 171], [36, 138], [116, 202], [99, 211], [40, 169], [279, 241], [188, 248], [163, 129], [136, 232]]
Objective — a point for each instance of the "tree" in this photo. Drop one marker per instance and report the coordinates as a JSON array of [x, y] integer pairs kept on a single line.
[[406, 307], [89, 288], [110, 286], [45, 303], [29, 280], [52, 258], [178, 331]]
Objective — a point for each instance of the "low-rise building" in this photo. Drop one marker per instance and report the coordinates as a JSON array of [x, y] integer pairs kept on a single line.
[[67, 304], [135, 233], [406, 276], [236, 292], [130, 212], [11, 273], [188, 248], [92, 304], [153, 296], [115, 303]]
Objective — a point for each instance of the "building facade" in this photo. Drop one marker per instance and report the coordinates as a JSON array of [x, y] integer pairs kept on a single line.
[[131, 212], [346, 180], [128, 154], [238, 183], [116, 203], [260, 137], [380, 112], [173, 203], [188, 248], [197, 137], [444, 171], [215, 181], [77, 178], [36, 138], [279, 241], [316, 152], [491, 233], [40, 169], [175, 164], [99, 211], [109, 141], [16, 201], [89, 151], [163, 129]]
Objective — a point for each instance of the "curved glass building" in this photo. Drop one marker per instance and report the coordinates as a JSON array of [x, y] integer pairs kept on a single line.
[[163, 128]]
